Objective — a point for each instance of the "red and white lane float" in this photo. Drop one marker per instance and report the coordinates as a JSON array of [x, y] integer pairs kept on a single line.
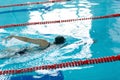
[[33, 3], [63, 65], [59, 21]]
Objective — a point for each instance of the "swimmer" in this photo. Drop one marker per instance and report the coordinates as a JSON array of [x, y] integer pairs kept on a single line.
[[43, 44]]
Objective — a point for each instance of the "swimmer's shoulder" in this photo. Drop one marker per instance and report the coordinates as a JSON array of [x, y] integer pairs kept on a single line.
[[54, 45]]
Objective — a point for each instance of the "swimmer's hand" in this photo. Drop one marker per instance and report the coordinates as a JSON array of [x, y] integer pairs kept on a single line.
[[9, 37]]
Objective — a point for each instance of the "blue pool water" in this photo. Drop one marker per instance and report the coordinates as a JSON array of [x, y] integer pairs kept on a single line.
[[79, 38]]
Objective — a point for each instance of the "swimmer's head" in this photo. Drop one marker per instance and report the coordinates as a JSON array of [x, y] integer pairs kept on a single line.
[[59, 40]]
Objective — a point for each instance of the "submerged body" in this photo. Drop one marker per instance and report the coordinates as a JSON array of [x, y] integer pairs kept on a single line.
[[42, 44]]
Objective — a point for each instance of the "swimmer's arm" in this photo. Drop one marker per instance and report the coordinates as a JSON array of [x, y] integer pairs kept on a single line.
[[25, 39], [40, 42]]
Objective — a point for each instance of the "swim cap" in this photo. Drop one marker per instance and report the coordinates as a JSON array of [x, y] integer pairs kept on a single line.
[[59, 40]]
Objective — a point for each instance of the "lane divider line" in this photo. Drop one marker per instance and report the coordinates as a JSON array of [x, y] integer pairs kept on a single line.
[[63, 65], [59, 21], [32, 3]]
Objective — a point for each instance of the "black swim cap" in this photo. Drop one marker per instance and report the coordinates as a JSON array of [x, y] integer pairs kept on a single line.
[[59, 40]]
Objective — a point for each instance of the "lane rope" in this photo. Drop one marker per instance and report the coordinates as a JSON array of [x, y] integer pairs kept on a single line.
[[32, 3], [59, 21], [63, 65]]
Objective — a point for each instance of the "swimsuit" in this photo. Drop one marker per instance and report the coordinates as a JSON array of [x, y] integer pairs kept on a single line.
[[21, 52]]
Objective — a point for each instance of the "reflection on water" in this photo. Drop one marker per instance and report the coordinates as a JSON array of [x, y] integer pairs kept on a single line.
[[80, 30], [114, 31], [77, 34]]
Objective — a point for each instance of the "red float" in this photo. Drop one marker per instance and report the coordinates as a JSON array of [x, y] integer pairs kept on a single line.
[[63, 65]]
